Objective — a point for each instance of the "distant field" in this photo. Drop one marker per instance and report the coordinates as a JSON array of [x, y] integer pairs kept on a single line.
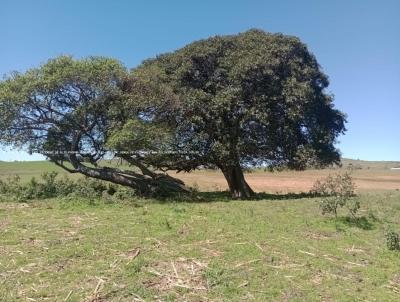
[[27, 169], [369, 176]]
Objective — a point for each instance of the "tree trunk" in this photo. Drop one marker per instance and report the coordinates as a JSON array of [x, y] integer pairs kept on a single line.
[[238, 186], [154, 185]]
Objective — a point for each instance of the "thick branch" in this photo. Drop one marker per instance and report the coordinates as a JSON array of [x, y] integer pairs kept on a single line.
[[138, 164], [60, 164]]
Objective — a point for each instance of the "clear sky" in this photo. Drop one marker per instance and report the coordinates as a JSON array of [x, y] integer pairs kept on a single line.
[[356, 42]]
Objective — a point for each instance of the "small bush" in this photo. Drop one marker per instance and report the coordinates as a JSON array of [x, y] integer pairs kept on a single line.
[[89, 188], [66, 186], [337, 191], [392, 240], [14, 190], [49, 186], [123, 193]]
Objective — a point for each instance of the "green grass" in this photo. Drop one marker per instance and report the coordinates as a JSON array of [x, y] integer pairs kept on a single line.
[[276, 249], [28, 169]]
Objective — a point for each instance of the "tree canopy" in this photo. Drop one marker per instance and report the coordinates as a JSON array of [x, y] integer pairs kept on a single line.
[[244, 100], [67, 110]]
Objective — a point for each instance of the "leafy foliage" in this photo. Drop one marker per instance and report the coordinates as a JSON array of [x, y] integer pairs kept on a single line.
[[242, 100], [60, 106], [392, 240], [68, 110], [337, 191], [49, 186]]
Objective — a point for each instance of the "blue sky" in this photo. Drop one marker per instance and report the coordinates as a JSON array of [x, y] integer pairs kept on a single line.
[[356, 42]]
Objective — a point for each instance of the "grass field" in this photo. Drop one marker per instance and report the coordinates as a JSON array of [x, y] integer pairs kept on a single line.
[[277, 248]]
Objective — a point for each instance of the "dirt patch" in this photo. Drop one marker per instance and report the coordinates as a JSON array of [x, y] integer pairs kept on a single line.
[[292, 181], [3, 224], [33, 241], [178, 274], [394, 284], [76, 220], [319, 235], [14, 205]]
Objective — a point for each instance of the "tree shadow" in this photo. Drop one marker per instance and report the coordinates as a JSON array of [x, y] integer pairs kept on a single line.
[[285, 196], [358, 222], [224, 196]]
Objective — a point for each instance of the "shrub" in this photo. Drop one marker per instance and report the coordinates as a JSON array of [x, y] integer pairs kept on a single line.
[[123, 193], [336, 191], [89, 188], [49, 186], [66, 186], [14, 190], [392, 240]]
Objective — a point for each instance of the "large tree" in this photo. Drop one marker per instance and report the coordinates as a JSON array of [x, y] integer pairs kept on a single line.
[[242, 100], [68, 110]]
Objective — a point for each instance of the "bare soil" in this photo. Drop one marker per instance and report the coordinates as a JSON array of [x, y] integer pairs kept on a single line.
[[294, 181]]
